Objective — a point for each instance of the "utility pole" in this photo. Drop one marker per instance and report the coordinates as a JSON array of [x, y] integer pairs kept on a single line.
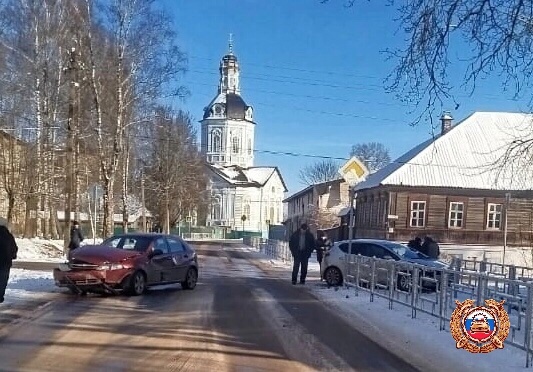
[[72, 125], [143, 202]]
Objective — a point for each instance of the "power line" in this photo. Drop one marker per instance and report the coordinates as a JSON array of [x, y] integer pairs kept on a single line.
[[332, 113]]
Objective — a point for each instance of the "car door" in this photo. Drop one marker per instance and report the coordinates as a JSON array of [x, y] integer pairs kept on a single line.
[[160, 266], [180, 258], [382, 267]]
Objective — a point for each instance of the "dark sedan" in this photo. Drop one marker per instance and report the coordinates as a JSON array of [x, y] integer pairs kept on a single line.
[[130, 263]]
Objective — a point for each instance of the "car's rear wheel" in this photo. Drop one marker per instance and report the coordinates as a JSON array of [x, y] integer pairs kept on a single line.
[[190, 279], [333, 276], [137, 283]]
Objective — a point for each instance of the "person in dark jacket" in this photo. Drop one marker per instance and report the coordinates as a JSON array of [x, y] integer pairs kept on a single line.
[[415, 244], [76, 237], [301, 244], [322, 244], [8, 253], [430, 248]]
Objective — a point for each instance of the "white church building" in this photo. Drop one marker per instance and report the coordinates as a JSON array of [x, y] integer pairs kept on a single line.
[[243, 196]]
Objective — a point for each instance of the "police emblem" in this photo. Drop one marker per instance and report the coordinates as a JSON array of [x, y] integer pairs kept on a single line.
[[479, 329]]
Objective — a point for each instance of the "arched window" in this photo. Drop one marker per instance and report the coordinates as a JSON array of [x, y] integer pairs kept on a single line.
[[235, 145], [249, 147], [216, 213], [273, 190], [246, 211], [216, 140]]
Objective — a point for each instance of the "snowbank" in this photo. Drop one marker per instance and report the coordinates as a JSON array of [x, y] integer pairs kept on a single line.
[[42, 250]]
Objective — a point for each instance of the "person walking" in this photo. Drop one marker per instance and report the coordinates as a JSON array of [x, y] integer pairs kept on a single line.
[[76, 237], [322, 244], [8, 253], [301, 244]]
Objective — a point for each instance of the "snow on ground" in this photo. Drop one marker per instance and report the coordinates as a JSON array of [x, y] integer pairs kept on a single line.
[[397, 330], [42, 250], [24, 285]]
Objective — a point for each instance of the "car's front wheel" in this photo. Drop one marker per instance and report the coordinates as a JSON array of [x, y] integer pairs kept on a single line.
[[137, 284], [403, 282], [190, 279], [333, 276]]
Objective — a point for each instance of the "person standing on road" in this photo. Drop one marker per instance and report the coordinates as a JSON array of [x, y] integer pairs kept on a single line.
[[8, 253], [322, 244], [75, 237], [301, 244]]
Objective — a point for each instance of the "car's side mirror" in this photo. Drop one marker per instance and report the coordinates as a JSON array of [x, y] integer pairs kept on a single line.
[[156, 252]]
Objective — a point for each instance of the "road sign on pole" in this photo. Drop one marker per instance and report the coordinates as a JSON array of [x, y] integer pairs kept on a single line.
[[354, 171]]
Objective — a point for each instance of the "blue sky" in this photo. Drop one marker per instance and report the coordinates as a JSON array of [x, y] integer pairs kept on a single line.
[[313, 73]]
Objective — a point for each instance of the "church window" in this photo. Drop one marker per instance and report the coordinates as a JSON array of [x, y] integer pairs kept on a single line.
[[273, 190], [246, 211], [216, 213], [235, 145], [249, 147], [216, 141], [272, 215]]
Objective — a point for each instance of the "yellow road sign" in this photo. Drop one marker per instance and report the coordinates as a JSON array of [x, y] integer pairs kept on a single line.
[[354, 171]]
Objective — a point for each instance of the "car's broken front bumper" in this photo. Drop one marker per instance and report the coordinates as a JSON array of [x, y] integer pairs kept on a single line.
[[66, 277]]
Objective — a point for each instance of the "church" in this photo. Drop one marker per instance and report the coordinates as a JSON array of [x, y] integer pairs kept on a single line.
[[244, 197]]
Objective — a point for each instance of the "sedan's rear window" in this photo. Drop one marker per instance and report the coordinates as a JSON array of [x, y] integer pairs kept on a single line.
[[130, 243]]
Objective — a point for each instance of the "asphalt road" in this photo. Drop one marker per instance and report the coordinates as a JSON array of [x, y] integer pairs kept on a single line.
[[239, 318]]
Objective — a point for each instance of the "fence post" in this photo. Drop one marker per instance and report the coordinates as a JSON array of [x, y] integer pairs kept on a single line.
[[511, 289], [442, 299], [372, 279], [414, 291], [529, 314], [483, 266], [457, 275], [357, 269], [481, 284]]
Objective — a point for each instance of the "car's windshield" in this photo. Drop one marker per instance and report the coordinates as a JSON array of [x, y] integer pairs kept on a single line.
[[130, 243], [404, 251]]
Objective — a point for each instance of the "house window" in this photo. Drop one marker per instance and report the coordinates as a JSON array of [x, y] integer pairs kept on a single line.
[[235, 145], [247, 211], [456, 215], [418, 213], [494, 216]]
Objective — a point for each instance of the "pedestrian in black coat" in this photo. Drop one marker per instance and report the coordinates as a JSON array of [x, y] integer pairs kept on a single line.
[[302, 244], [76, 237], [430, 248], [322, 244], [8, 253], [415, 244]]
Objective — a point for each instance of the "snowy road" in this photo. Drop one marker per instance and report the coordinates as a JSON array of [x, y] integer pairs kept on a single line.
[[239, 318]]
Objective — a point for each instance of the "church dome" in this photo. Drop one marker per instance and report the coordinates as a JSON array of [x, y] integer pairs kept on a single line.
[[228, 106]]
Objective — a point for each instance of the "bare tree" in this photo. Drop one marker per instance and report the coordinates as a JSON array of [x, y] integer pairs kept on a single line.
[[145, 61], [373, 154], [175, 176], [321, 171]]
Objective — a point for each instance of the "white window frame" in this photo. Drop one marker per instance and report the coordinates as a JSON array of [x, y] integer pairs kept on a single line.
[[491, 216], [415, 213], [216, 141], [235, 145], [453, 216]]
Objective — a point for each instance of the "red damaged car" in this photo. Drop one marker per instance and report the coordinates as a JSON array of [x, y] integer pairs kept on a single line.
[[129, 263]]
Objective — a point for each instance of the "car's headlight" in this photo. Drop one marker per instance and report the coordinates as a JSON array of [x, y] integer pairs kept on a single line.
[[108, 267]]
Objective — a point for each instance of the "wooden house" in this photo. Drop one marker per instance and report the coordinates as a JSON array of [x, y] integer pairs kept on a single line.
[[468, 185]]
